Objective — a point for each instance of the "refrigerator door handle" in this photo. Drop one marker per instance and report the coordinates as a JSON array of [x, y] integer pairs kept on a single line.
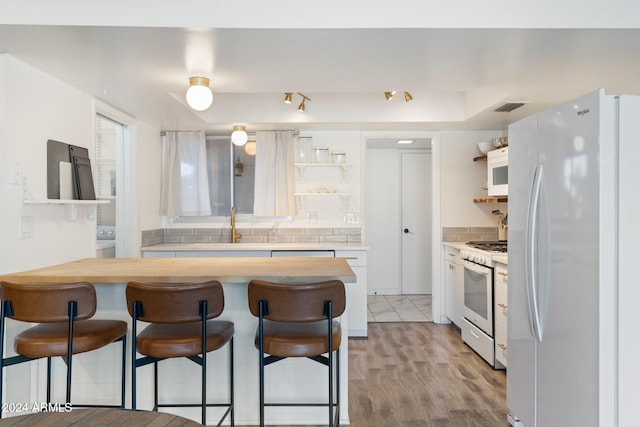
[[530, 253]]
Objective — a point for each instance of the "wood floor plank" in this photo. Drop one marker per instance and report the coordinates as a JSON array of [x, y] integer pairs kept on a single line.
[[422, 375]]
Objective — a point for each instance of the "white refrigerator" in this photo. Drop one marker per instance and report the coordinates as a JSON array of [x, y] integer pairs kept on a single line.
[[574, 215]]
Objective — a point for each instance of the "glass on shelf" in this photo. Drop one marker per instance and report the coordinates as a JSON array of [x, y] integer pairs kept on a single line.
[[305, 150]]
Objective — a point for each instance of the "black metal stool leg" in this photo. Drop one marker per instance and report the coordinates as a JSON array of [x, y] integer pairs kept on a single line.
[[231, 381], [261, 355], [155, 386], [124, 367], [48, 380], [337, 413]]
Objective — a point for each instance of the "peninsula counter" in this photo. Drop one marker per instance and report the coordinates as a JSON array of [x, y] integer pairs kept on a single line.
[[95, 373]]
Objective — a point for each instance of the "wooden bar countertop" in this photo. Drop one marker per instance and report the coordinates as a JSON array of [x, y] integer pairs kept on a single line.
[[181, 270]]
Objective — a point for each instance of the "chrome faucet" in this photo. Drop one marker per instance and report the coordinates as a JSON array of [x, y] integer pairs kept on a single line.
[[234, 236]]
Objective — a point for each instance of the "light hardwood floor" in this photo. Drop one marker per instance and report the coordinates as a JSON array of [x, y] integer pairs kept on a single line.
[[422, 375]]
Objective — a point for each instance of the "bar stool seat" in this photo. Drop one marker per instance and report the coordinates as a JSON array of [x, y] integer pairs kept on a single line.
[[298, 339], [182, 339], [51, 339], [62, 313]]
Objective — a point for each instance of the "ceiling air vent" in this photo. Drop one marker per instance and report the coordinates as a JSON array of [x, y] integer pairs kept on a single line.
[[508, 107]]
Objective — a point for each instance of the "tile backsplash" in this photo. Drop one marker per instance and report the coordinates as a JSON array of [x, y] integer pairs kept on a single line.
[[469, 234], [252, 235]]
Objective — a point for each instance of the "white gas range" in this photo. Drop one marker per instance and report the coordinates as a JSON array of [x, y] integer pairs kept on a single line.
[[478, 323]]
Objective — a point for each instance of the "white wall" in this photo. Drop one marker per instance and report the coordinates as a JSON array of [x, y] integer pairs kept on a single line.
[[39, 107], [462, 179], [4, 160], [148, 153]]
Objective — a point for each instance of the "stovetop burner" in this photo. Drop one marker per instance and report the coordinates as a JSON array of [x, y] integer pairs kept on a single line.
[[496, 246]]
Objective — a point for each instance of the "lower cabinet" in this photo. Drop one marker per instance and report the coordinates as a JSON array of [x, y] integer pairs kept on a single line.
[[453, 277], [356, 293], [500, 313]]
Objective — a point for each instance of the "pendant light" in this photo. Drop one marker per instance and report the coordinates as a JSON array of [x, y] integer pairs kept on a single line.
[[407, 97], [389, 95], [239, 135], [199, 96]]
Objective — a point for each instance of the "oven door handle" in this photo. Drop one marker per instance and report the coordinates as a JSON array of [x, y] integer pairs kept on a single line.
[[531, 259], [485, 271]]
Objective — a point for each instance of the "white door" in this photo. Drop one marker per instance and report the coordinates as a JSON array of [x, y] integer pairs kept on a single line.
[[416, 223]]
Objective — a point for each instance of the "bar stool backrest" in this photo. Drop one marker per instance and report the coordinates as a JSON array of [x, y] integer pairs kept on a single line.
[[175, 303], [48, 303], [296, 302]]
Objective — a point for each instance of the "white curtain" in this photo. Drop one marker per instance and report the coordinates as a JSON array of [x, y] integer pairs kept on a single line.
[[274, 176], [185, 187]]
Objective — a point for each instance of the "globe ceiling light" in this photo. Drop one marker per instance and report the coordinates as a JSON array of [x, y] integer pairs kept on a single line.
[[250, 148], [239, 135], [199, 96]]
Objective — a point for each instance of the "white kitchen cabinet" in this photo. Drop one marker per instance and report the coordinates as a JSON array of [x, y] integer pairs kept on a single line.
[[453, 275], [158, 254], [222, 254], [356, 292], [500, 313]]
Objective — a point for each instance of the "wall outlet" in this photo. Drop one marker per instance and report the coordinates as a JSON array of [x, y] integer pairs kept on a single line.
[[26, 227]]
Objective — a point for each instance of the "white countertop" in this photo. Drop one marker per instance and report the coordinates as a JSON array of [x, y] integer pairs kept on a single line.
[[256, 247]]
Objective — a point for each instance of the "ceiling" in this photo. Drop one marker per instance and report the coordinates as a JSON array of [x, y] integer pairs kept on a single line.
[[457, 77]]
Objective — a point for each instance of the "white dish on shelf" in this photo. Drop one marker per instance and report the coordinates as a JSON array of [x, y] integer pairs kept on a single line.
[[485, 146]]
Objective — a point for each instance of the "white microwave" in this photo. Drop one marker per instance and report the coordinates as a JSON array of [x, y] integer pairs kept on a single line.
[[498, 172]]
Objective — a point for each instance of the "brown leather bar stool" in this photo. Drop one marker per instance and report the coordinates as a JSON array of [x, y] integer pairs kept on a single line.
[[180, 325], [63, 312], [296, 320]]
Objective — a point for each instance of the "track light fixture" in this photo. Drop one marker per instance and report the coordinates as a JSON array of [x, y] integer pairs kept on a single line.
[[389, 96], [287, 97], [304, 98], [199, 96]]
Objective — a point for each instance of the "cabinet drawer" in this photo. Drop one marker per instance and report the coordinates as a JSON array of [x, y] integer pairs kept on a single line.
[[478, 340], [501, 343], [502, 274], [158, 254], [354, 258], [451, 254]]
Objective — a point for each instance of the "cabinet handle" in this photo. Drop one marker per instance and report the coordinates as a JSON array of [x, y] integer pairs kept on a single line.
[[453, 267], [452, 254], [502, 273], [504, 306], [502, 346]]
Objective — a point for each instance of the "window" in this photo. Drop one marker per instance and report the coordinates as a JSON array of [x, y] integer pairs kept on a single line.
[[231, 172], [203, 178]]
